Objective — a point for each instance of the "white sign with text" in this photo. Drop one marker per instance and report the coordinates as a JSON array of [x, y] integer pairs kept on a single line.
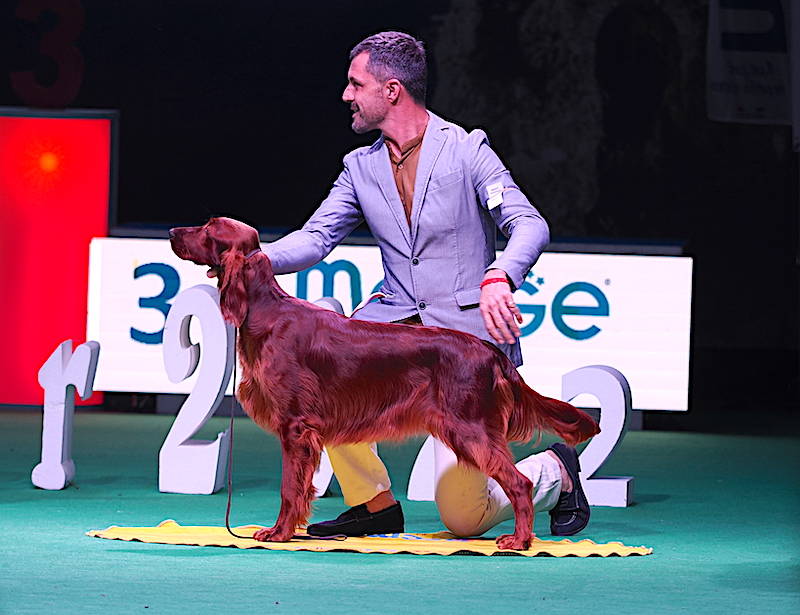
[[632, 312]]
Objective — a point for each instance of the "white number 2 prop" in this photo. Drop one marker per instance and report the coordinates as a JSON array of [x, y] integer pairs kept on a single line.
[[60, 376], [613, 392], [611, 389], [186, 465]]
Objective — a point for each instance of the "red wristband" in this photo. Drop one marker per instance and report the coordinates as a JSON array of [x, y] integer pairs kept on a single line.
[[493, 280]]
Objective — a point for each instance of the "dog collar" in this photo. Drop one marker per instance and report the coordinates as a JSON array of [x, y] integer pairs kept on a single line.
[[248, 255]]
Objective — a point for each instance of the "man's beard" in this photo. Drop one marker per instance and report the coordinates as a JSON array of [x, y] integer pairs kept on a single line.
[[363, 122], [359, 127]]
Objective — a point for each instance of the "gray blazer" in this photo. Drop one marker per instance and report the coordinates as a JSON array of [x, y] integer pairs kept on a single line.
[[435, 267]]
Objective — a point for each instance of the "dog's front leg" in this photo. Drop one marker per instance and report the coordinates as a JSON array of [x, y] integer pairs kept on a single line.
[[301, 451]]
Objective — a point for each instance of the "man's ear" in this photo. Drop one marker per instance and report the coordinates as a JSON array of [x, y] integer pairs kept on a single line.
[[393, 87], [233, 287]]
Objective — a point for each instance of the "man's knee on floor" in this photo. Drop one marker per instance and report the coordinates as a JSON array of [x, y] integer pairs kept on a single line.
[[462, 525]]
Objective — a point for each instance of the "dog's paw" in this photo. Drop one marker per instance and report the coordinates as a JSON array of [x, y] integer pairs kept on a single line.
[[272, 534], [511, 541]]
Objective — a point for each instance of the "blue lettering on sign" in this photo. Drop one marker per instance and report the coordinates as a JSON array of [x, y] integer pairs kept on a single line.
[[172, 283], [329, 271], [560, 309], [537, 311]]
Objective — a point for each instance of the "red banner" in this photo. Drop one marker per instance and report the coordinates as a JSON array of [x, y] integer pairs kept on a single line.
[[54, 197]]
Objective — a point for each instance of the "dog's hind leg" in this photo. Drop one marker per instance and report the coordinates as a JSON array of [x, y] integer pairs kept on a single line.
[[494, 459], [301, 452], [519, 490]]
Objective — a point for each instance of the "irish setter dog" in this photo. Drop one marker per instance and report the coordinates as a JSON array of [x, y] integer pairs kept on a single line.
[[314, 377]]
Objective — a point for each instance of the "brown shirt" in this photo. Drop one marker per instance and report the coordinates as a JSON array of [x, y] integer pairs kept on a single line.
[[404, 167]]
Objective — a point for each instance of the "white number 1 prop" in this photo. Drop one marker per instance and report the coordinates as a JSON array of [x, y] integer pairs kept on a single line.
[[186, 465], [60, 376]]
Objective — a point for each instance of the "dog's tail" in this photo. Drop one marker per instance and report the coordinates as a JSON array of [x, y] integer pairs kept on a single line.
[[529, 413]]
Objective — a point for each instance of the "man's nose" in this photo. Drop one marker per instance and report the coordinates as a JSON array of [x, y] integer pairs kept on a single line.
[[347, 95]]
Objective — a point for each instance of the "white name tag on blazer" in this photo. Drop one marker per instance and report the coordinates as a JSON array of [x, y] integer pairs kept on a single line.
[[494, 193]]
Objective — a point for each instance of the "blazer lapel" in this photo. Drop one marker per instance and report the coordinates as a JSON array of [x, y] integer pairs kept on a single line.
[[432, 144], [382, 170]]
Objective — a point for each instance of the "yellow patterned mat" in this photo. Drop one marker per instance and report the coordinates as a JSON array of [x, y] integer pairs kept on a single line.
[[441, 543]]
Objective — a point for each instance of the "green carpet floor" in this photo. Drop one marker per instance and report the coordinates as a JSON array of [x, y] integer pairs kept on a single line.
[[721, 512]]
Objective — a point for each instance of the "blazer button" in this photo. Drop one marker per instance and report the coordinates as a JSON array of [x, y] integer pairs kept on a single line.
[[415, 261], [421, 305]]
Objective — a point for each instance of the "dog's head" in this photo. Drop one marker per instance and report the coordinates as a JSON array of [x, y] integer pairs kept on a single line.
[[223, 245]]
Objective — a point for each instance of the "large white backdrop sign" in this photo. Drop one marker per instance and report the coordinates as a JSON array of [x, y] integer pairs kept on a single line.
[[629, 312]]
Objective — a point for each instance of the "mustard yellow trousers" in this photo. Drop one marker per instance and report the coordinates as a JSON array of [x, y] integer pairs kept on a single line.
[[469, 502]]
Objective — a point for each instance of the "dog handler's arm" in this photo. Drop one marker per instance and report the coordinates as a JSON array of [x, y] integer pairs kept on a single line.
[[527, 232], [333, 220]]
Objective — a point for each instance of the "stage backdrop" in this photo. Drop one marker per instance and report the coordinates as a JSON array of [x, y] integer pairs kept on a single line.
[[54, 197], [630, 312]]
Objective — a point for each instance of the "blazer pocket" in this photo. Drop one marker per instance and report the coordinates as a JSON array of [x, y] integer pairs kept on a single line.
[[445, 180], [469, 298]]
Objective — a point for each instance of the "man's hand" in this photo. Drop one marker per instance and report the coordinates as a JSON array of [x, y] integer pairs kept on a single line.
[[500, 314]]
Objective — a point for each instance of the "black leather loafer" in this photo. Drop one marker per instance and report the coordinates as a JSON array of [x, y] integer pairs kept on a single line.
[[358, 521], [571, 514]]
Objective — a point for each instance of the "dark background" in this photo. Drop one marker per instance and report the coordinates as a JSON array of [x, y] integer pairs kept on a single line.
[[598, 108]]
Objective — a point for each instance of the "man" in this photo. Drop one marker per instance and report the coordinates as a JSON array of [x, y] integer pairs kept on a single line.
[[432, 195]]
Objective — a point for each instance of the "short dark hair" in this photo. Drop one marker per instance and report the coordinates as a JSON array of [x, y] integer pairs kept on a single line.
[[396, 55]]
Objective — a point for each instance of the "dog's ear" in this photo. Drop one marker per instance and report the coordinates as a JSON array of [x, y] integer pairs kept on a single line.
[[233, 287]]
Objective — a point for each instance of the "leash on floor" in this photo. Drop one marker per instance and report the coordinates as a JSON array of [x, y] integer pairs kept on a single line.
[[230, 465], [230, 446]]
